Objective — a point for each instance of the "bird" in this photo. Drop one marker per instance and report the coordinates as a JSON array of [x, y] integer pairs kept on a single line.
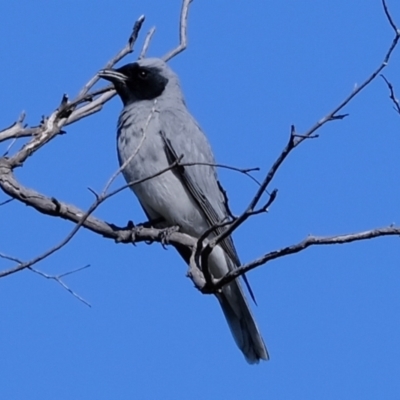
[[154, 131]]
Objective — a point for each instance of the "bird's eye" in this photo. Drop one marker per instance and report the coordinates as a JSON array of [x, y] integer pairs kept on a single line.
[[143, 74]]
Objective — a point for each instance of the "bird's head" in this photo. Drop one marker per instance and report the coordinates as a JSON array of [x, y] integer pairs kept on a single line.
[[144, 79]]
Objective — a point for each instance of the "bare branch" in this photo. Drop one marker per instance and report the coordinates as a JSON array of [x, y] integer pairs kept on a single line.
[[119, 56], [74, 271], [182, 32], [60, 209], [147, 41], [226, 200], [295, 139], [67, 112], [57, 278], [16, 130], [56, 208], [392, 95], [91, 108], [6, 202], [140, 234], [67, 239], [87, 103], [333, 114], [309, 241], [10, 258], [390, 19]]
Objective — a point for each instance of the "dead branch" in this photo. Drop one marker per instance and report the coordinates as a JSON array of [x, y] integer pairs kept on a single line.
[[392, 95], [296, 139], [147, 41], [68, 112], [3, 203], [54, 207], [58, 279], [88, 102], [182, 32], [118, 57], [309, 241]]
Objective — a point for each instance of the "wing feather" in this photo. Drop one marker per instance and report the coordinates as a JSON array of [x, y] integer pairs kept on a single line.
[[186, 140]]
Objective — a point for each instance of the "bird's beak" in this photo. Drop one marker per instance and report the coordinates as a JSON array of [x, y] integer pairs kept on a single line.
[[112, 75]]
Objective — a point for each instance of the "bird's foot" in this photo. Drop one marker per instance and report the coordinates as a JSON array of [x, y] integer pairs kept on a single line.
[[165, 234], [126, 234]]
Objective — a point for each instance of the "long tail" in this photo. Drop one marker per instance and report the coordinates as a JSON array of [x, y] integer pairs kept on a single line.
[[241, 323]]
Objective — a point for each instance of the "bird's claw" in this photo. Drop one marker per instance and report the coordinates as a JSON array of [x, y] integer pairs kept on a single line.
[[165, 234]]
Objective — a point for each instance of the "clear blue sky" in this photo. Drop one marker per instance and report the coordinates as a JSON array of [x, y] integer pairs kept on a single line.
[[330, 315]]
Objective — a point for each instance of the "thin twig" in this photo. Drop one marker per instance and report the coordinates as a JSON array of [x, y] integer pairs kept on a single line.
[[90, 108], [68, 111], [392, 95], [57, 278], [57, 208], [182, 32], [296, 248], [10, 258], [6, 202], [295, 139], [147, 41], [390, 19], [47, 253], [176, 163], [119, 56], [16, 130], [83, 217]]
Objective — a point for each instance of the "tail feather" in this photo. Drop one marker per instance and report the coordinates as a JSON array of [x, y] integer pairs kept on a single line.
[[242, 324]]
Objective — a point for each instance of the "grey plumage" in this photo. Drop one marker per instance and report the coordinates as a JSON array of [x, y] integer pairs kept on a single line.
[[156, 127]]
